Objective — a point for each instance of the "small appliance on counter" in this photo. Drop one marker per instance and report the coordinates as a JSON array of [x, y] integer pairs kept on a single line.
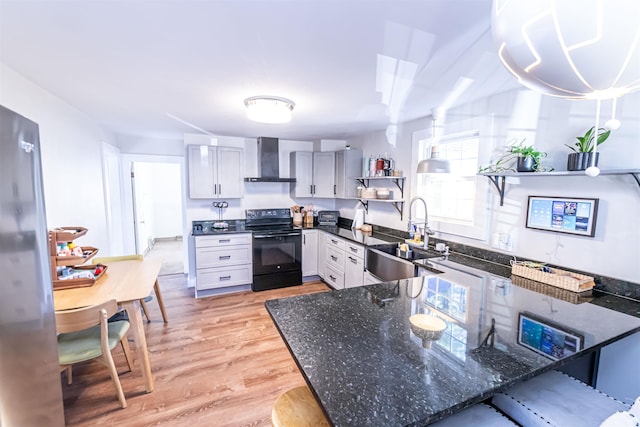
[[328, 217]]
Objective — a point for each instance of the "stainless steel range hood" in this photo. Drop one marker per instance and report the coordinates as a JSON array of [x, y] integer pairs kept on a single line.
[[268, 162]]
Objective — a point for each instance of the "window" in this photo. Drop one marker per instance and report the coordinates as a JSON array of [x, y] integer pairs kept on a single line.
[[451, 197], [458, 202]]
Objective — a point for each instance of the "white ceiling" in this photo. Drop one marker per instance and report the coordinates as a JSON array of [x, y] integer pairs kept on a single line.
[[351, 66]]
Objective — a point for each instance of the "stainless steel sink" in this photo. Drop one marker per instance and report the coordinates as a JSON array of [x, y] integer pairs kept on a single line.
[[382, 262]]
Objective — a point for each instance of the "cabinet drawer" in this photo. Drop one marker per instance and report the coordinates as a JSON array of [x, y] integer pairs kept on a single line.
[[334, 277], [218, 257], [353, 272], [335, 258], [223, 240], [335, 242], [354, 250], [221, 277]]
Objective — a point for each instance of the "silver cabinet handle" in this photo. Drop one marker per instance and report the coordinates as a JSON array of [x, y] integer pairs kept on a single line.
[[224, 257], [335, 242], [224, 240], [225, 278], [332, 278], [353, 260], [354, 250], [333, 257]]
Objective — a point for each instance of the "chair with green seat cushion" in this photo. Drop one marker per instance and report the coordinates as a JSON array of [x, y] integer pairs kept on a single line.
[[84, 334]]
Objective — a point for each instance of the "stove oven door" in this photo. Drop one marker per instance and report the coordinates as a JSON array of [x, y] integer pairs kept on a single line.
[[274, 253]]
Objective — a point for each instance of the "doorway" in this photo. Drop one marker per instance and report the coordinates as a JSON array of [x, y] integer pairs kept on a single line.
[[156, 210]]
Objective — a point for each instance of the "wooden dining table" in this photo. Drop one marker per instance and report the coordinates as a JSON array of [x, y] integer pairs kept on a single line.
[[127, 282]]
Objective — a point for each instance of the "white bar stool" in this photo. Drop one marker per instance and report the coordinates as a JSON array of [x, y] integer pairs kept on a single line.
[[556, 399]]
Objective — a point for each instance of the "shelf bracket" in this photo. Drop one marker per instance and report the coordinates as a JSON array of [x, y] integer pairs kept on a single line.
[[399, 207], [499, 182], [362, 181], [400, 186], [366, 206], [636, 176]]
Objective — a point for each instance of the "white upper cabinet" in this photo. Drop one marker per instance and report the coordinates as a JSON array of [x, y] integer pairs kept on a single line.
[[348, 166], [324, 166], [215, 172], [301, 165], [314, 173]]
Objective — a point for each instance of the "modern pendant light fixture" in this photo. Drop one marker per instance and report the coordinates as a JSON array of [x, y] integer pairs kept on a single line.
[[580, 49], [434, 164], [575, 49], [269, 109]]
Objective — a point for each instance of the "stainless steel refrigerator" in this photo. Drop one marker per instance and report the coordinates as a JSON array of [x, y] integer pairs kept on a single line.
[[30, 386]]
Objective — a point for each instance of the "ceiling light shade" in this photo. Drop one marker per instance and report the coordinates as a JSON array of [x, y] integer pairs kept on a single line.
[[580, 49], [269, 109], [434, 164]]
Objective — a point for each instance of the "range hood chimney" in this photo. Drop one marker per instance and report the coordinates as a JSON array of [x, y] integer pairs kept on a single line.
[[268, 162]]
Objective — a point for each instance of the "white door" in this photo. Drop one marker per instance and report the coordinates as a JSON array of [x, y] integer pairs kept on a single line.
[[141, 176], [113, 199]]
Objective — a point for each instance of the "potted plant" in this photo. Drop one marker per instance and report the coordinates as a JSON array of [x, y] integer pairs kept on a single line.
[[525, 157], [528, 158], [582, 155]]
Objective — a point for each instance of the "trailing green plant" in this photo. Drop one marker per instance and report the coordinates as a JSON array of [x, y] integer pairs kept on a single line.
[[507, 161], [585, 143]]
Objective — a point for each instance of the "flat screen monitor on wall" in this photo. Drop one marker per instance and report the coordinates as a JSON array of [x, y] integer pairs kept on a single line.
[[563, 215]]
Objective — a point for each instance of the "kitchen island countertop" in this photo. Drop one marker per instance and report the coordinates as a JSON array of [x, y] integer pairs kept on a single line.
[[357, 352]]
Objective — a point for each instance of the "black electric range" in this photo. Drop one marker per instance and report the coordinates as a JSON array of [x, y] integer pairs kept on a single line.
[[277, 248]]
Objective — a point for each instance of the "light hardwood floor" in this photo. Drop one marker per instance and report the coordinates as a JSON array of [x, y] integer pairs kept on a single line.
[[218, 362]]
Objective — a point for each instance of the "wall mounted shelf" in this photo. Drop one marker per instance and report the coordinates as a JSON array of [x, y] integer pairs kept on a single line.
[[499, 178], [397, 180]]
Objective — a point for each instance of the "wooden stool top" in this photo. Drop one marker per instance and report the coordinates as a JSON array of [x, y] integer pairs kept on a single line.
[[297, 408]]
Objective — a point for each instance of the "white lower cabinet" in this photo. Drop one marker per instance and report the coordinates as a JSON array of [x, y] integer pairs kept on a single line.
[[322, 254], [334, 277], [344, 262], [353, 272], [309, 253], [223, 260]]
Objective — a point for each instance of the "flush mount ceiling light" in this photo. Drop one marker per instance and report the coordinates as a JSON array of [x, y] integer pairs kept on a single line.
[[269, 109], [580, 49]]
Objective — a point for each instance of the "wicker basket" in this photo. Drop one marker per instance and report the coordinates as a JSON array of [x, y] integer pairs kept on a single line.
[[555, 277], [553, 291]]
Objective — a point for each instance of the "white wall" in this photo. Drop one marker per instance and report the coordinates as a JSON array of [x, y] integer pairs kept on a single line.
[[71, 156], [166, 197], [549, 123]]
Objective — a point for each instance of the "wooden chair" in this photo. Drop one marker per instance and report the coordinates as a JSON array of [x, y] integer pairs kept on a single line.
[[85, 334], [297, 408], [156, 286]]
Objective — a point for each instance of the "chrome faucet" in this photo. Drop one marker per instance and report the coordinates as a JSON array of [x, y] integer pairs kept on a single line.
[[427, 230]]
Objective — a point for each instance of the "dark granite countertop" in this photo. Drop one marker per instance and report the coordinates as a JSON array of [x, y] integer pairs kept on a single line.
[[355, 236], [356, 350], [235, 226]]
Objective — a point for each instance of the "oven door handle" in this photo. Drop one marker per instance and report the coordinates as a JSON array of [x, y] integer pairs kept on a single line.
[[262, 236]]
